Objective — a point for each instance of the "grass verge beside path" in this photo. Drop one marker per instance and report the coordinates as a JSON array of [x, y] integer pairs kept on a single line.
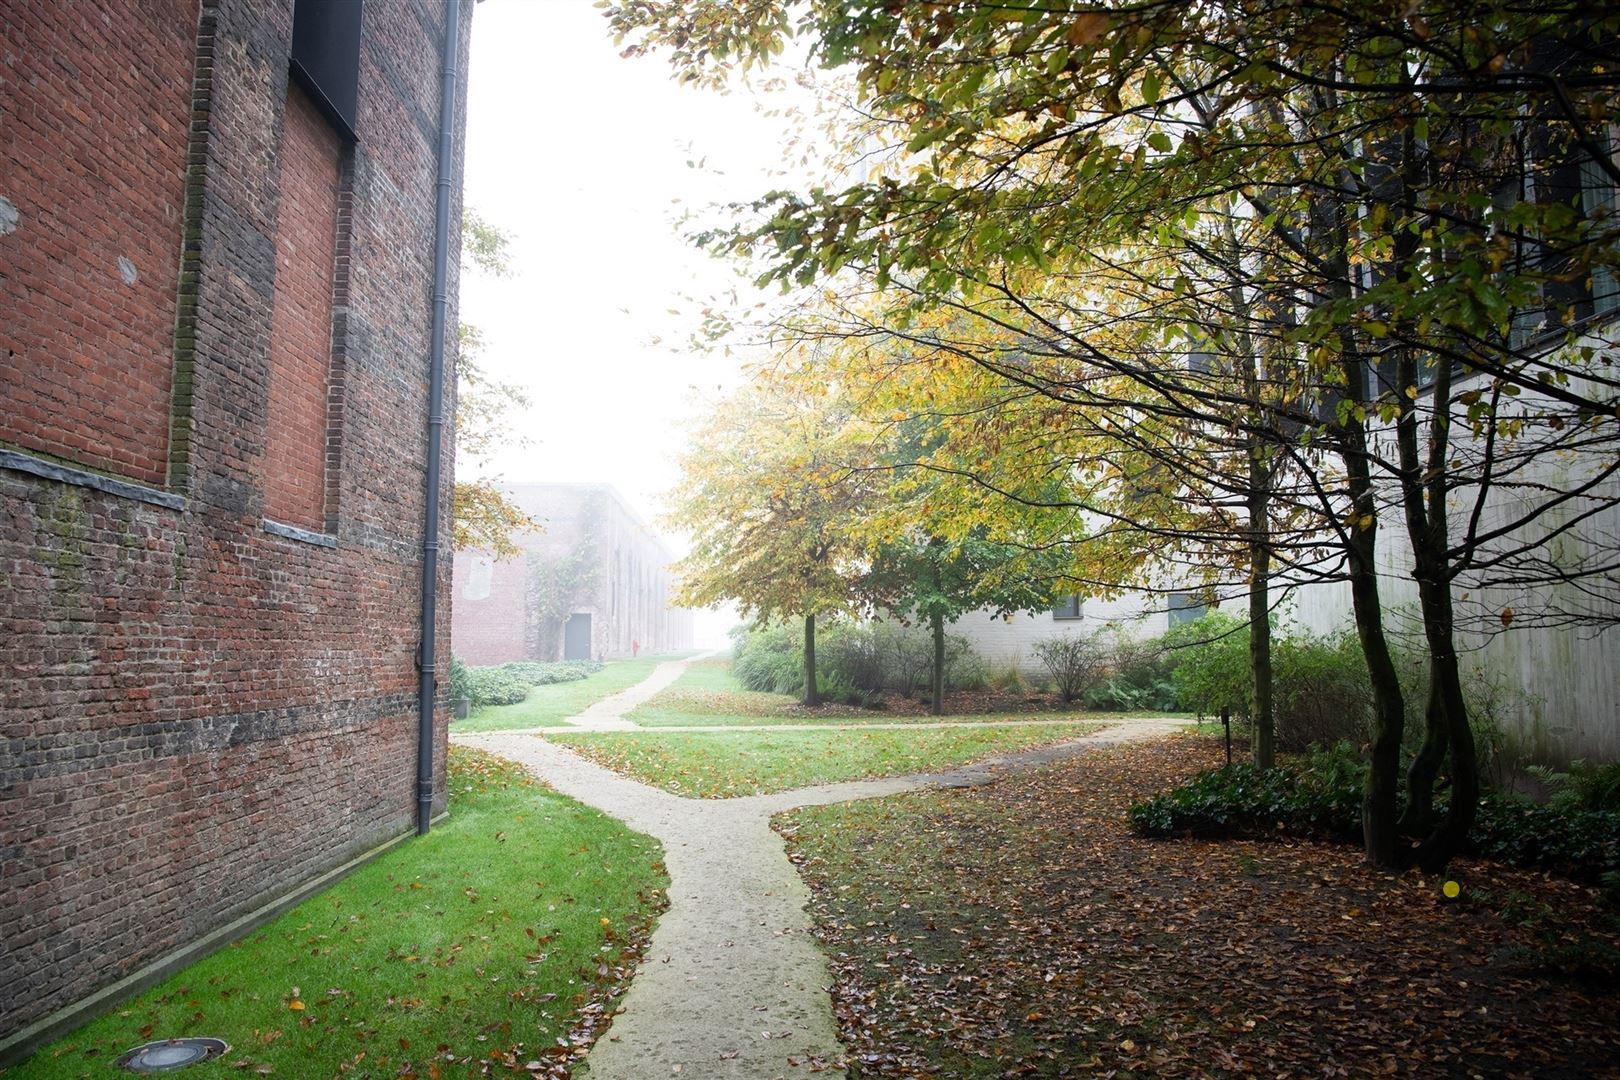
[[1021, 929], [726, 764], [555, 702], [507, 928]]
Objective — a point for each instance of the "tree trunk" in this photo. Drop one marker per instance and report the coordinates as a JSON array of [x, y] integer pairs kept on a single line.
[[1425, 768], [1265, 734], [1380, 833], [1381, 840], [938, 676], [811, 697], [1447, 839]]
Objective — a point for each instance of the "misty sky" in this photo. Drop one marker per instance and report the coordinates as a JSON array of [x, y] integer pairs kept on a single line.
[[584, 158]]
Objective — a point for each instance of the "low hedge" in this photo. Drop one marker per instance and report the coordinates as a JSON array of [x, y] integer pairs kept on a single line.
[[536, 673], [496, 686], [509, 684], [1321, 798]]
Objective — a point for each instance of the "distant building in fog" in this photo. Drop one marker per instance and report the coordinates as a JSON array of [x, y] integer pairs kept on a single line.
[[593, 584]]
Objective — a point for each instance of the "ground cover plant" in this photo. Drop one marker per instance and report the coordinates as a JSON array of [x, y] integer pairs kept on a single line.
[[495, 944], [725, 764], [1022, 929], [1319, 795], [554, 703]]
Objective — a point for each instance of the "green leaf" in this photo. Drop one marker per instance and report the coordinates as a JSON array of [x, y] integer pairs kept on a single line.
[[1150, 88]]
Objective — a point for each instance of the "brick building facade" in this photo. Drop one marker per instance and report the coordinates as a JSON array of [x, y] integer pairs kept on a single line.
[[215, 279], [593, 583]]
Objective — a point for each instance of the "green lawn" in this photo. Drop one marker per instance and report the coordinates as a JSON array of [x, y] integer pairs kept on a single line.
[[555, 703], [492, 931], [723, 764]]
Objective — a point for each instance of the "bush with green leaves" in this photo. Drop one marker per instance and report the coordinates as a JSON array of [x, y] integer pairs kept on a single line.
[[768, 658], [1139, 675], [460, 680], [508, 684], [856, 662], [1320, 690], [1209, 659], [1320, 797], [495, 686], [1584, 786], [544, 673]]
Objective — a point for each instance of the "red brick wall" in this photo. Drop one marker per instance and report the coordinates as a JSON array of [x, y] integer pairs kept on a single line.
[[94, 157], [200, 713], [301, 323], [490, 619]]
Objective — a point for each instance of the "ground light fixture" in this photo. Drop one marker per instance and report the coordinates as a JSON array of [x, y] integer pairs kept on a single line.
[[166, 1055]]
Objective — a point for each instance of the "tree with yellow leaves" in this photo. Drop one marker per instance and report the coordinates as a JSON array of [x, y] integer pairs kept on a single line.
[[771, 483]]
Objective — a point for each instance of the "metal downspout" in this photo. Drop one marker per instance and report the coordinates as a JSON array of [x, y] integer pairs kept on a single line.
[[428, 688]]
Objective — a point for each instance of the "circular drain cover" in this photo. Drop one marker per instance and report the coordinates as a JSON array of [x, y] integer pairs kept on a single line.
[[171, 1054]]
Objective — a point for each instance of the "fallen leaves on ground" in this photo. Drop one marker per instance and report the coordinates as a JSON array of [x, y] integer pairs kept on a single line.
[[1021, 930]]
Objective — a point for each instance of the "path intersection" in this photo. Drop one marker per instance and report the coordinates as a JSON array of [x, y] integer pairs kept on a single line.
[[733, 984]]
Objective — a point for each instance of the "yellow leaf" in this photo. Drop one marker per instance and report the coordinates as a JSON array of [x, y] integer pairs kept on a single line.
[[295, 1005]]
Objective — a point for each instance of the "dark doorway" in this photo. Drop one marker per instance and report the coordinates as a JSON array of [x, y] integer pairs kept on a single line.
[[577, 638]]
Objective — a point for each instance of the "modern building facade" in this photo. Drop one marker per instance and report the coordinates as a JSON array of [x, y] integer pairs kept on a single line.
[[217, 254], [592, 583]]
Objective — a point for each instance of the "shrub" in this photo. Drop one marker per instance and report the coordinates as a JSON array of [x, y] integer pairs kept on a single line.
[[769, 659], [855, 662], [1010, 680], [964, 669], [537, 673], [496, 686], [848, 662], [1210, 658], [1139, 675], [1321, 797], [1583, 787], [460, 680], [1077, 663], [907, 654], [1321, 693]]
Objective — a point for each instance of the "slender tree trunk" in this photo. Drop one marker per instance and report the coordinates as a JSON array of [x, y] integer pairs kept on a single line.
[[937, 621], [811, 696], [1381, 840], [1263, 738], [1425, 768], [1379, 827], [1265, 734], [1447, 839]]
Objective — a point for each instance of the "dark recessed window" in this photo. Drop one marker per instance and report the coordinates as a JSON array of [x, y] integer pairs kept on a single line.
[[1067, 607], [326, 57]]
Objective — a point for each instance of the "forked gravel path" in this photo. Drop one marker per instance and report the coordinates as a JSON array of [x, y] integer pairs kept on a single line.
[[608, 714], [733, 984]]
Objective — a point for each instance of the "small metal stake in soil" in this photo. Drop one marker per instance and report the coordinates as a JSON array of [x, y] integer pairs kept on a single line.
[[168, 1054]]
